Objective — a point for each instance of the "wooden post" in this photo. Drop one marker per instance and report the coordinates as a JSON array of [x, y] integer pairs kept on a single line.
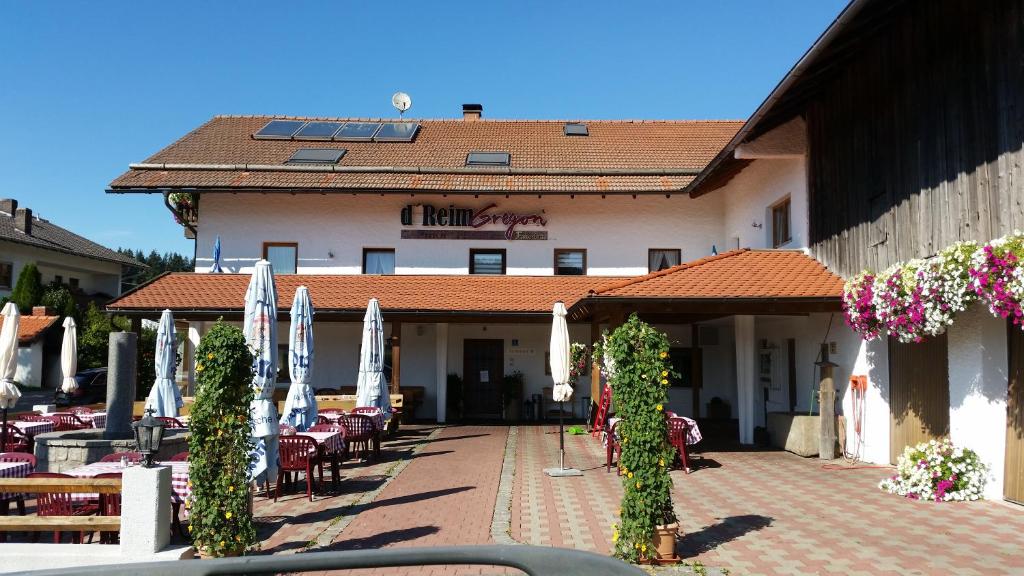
[[827, 408], [396, 357]]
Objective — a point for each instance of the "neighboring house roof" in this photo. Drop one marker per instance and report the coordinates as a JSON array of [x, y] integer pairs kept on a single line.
[[854, 24], [49, 236], [213, 293], [31, 328], [616, 157], [738, 274]]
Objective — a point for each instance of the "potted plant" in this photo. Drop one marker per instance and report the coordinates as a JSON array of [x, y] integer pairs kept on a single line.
[[512, 394], [636, 359], [220, 445]]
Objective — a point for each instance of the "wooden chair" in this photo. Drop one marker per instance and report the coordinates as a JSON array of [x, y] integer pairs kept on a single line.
[[66, 421], [299, 454], [60, 504], [677, 429], [19, 498], [133, 457], [613, 448], [109, 505], [360, 433], [16, 440]]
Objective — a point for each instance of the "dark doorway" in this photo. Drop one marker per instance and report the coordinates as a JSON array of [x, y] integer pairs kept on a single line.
[[483, 367]]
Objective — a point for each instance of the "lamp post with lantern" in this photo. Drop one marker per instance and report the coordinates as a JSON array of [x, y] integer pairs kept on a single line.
[[149, 433]]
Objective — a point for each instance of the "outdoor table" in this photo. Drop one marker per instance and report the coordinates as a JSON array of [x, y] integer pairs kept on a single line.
[[30, 429], [693, 435], [180, 490], [331, 445], [97, 419], [13, 470]]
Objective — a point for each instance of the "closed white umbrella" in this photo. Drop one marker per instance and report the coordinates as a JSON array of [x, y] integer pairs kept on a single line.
[[260, 327], [69, 357], [371, 387], [562, 390], [165, 397], [300, 408], [9, 393]]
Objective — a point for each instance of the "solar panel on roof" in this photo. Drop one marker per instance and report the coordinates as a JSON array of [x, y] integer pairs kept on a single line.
[[488, 159], [397, 132], [279, 130], [576, 129], [318, 131], [357, 131], [316, 156]]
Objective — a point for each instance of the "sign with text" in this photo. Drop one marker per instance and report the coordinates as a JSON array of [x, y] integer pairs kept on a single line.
[[458, 223]]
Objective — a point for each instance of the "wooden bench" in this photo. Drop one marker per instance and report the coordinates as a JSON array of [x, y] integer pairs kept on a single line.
[[60, 523]]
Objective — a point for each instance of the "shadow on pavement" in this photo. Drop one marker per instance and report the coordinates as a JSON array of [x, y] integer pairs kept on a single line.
[[710, 537], [382, 539]]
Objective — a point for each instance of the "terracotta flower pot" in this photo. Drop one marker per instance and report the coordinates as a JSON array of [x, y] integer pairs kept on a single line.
[[664, 540]]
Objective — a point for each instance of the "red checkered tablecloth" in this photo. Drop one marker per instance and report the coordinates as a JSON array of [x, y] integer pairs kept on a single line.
[[13, 470], [692, 431], [356, 426], [180, 490], [33, 428], [97, 419], [332, 442]]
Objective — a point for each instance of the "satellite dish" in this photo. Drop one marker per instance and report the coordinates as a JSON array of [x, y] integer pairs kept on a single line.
[[401, 101]]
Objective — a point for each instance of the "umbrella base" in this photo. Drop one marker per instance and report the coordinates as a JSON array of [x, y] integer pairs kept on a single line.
[[559, 472]]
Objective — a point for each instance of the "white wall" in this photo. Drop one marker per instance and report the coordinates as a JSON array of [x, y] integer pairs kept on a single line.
[[749, 196], [978, 376], [29, 372], [93, 275], [332, 231]]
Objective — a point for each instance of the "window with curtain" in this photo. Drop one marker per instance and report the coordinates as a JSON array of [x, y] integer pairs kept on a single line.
[[781, 234], [486, 261], [283, 256], [570, 262], [378, 261], [662, 258], [6, 275]]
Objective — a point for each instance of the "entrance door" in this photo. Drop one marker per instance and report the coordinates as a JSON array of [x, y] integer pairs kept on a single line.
[[918, 393], [483, 366], [1014, 475]]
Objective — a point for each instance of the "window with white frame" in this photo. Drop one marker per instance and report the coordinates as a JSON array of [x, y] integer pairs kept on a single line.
[[781, 231]]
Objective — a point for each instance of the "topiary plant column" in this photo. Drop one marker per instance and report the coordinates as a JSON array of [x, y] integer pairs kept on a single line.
[[220, 518], [637, 356]]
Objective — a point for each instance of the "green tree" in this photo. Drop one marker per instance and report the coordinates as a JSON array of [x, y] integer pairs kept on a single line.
[[60, 299], [639, 381], [220, 519], [28, 292], [94, 336]]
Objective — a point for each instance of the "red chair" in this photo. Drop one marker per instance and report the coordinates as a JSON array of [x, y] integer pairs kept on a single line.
[[66, 421], [323, 420], [19, 499], [179, 457], [16, 440], [109, 505], [299, 454], [335, 457], [677, 430], [60, 504], [171, 422], [360, 432], [613, 447], [133, 457], [33, 417]]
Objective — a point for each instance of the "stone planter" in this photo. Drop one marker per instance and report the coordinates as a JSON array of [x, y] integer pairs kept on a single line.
[[61, 451], [664, 540], [796, 432]]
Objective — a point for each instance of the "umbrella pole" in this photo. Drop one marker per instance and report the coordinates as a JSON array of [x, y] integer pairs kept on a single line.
[[561, 436]]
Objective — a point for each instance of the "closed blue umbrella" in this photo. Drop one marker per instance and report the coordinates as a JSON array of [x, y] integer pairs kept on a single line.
[[260, 327], [165, 397], [216, 256], [300, 407], [371, 387]]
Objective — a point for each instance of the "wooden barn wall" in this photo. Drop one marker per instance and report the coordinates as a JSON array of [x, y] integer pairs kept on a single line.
[[916, 140]]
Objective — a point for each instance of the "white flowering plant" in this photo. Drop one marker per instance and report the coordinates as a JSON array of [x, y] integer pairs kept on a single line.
[[937, 470]]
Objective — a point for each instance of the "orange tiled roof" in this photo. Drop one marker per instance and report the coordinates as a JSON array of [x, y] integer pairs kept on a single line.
[[444, 144], [32, 327], [350, 293], [740, 273]]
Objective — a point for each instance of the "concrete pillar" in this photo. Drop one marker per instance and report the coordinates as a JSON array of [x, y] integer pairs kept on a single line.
[[145, 510], [121, 375], [746, 376], [977, 390], [442, 371]]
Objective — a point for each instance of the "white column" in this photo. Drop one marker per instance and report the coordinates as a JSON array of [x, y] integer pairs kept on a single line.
[[746, 362], [977, 390], [442, 370]]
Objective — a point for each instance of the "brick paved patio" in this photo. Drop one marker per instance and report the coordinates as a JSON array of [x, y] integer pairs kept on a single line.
[[768, 513]]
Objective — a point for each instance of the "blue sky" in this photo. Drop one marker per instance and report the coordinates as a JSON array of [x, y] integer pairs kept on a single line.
[[88, 87]]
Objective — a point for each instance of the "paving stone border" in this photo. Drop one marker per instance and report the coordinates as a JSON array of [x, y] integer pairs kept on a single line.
[[501, 522], [352, 510]]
